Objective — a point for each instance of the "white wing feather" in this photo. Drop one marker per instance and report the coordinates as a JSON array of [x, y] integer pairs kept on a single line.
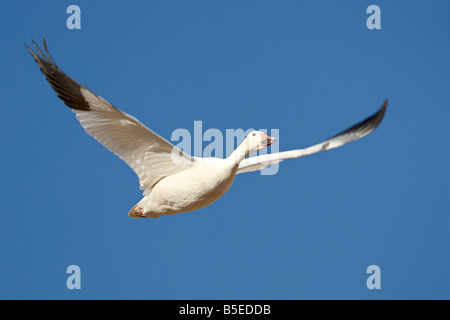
[[353, 133], [148, 154]]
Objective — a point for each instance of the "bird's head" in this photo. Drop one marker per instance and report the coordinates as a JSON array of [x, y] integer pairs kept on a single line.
[[257, 140]]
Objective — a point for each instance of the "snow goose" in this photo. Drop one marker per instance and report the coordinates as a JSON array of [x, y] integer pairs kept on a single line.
[[173, 182]]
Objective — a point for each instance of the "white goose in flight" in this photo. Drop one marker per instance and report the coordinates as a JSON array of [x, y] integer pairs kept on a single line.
[[173, 182]]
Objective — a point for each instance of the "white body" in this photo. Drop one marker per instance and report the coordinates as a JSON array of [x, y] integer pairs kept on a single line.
[[194, 188]]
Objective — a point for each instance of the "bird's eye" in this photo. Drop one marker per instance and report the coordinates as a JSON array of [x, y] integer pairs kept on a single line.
[[254, 134]]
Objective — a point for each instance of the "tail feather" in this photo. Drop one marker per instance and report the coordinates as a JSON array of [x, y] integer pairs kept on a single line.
[[136, 212], [132, 213]]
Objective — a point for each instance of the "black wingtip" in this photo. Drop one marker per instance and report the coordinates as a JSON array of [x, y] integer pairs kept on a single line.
[[385, 104], [367, 125], [379, 115], [28, 48], [46, 51], [65, 87]]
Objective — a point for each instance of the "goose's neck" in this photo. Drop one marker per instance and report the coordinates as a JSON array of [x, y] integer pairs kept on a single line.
[[239, 154]]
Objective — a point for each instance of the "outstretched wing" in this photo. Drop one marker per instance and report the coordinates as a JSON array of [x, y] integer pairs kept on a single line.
[[353, 133], [149, 155]]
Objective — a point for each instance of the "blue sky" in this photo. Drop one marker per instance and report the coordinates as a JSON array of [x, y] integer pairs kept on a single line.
[[307, 68]]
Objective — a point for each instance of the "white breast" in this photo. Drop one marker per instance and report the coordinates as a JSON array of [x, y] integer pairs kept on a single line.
[[191, 189]]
